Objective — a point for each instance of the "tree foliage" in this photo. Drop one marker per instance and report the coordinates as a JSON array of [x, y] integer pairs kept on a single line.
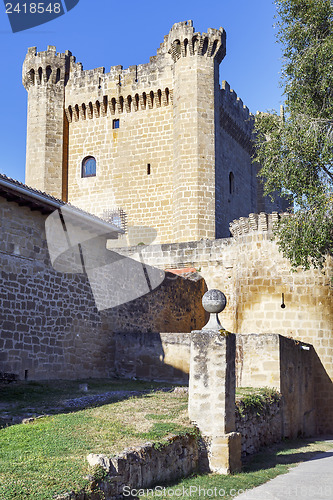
[[296, 149]]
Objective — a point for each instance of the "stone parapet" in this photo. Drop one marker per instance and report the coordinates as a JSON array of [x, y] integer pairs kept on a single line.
[[263, 223]]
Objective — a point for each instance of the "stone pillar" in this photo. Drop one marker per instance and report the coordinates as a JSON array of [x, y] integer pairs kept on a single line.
[[212, 393]]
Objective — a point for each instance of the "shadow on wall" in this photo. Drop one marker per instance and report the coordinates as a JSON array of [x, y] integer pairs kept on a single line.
[[156, 356], [323, 395], [295, 370]]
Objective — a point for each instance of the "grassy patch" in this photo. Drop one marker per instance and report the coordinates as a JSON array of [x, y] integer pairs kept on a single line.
[[48, 456], [258, 401], [278, 459], [19, 397]]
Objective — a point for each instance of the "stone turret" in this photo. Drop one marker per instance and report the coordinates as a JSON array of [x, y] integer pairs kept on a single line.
[[44, 76], [196, 59]]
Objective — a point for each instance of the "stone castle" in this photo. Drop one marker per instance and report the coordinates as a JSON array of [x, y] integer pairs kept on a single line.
[[158, 145]]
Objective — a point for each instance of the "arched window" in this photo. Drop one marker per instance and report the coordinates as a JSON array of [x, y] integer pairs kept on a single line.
[[231, 183], [88, 167]]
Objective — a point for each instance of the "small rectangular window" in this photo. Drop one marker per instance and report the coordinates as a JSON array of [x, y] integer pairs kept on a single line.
[[115, 123], [148, 168]]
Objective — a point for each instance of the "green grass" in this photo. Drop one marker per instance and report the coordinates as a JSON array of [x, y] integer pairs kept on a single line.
[[48, 456], [278, 459], [23, 399]]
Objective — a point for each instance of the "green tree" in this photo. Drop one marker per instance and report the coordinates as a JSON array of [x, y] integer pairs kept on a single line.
[[295, 149]]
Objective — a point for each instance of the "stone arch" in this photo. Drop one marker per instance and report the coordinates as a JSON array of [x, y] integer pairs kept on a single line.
[[113, 106], [167, 96], [58, 76], [136, 102], [128, 104], [31, 77], [159, 98], [90, 110], [195, 44], [40, 75], [48, 73], [204, 46], [214, 46]]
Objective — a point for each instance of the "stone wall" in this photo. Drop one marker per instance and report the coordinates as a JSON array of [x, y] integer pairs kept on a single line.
[[253, 275], [286, 365], [50, 326], [148, 465], [152, 356], [259, 430]]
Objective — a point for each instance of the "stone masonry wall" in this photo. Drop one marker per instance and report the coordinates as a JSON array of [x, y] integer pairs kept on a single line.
[[148, 465], [49, 324], [258, 431], [152, 356], [252, 273], [278, 362]]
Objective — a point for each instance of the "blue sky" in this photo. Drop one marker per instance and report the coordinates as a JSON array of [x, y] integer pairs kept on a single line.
[[107, 33]]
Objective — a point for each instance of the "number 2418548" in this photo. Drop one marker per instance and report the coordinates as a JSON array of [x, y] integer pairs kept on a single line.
[[33, 8]]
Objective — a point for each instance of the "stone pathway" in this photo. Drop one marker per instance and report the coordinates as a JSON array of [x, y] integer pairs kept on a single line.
[[311, 480]]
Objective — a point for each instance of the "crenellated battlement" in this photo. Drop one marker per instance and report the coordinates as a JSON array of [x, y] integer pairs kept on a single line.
[[231, 100], [262, 223], [183, 41], [119, 104], [46, 67], [235, 117]]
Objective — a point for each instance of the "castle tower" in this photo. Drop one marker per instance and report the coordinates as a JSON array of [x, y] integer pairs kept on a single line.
[[196, 58], [44, 76]]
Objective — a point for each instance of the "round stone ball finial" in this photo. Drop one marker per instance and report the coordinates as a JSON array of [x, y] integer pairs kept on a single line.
[[214, 302]]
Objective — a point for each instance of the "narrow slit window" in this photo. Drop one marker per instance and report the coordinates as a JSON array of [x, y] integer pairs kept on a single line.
[[231, 183], [148, 168], [88, 167], [115, 123]]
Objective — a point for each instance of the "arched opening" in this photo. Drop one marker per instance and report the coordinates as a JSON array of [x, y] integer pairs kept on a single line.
[[88, 168], [129, 104], [185, 47], [57, 76], [177, 49], [32, 77], [214, 48], [97, 109], [195, 44], [205, 47], [167, 96], [90, 110], [113, 106], [84, 111], [151, 94], [48, 72], [137, 100], [121, 104], [159, 97], [76, 112]]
